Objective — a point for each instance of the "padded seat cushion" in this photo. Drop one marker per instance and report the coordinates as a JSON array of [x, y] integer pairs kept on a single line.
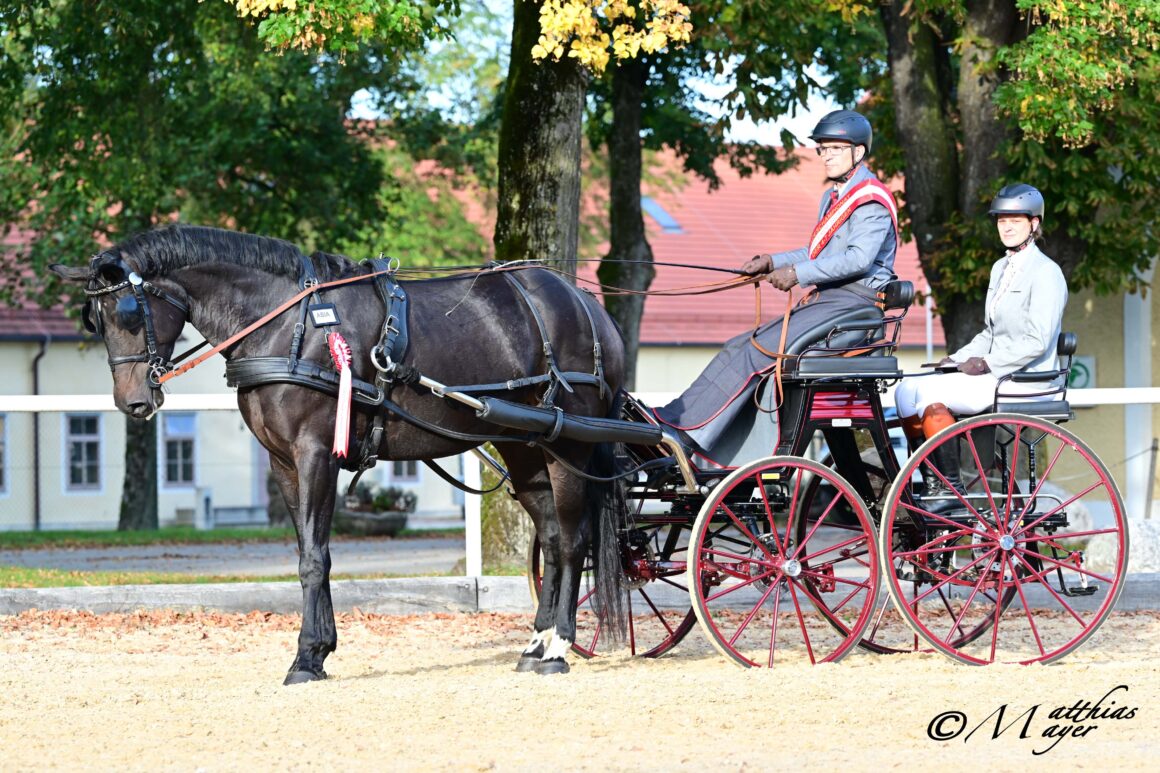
[[1042, 408], [870, 367]]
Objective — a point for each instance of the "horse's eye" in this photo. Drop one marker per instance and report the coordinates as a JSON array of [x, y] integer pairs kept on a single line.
[[129, 314]]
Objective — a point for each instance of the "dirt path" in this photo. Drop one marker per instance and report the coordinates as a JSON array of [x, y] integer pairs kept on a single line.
[[184, 692]]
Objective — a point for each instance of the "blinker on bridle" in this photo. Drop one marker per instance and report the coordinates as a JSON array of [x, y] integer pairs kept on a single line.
[[133, 313]]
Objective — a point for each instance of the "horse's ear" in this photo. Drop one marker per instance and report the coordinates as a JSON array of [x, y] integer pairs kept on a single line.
[[71, 273]]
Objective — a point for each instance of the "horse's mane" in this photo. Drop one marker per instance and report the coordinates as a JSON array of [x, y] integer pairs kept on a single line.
[[162, 250]]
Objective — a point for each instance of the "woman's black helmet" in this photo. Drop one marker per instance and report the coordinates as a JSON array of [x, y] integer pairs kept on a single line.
[[1018, 199], [846, 125]]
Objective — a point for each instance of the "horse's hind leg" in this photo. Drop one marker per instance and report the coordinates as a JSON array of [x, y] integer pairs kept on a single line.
[[533, 489], [313, 487]]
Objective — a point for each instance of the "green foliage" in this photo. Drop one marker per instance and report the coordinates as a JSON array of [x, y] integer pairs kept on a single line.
[[1078, 84], [422, 218], [1080, 61], [344, 26], [122, 116]]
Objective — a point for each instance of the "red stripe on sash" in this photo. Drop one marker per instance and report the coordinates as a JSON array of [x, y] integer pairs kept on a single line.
[[865, 192]]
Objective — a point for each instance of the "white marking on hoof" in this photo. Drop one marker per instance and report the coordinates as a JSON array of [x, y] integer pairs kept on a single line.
[[557, 649], [540, 641]]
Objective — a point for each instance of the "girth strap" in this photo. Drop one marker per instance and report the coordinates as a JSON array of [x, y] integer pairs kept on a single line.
[[552, 367]]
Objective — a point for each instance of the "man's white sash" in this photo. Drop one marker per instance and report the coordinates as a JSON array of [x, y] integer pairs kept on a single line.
[[865, 192]]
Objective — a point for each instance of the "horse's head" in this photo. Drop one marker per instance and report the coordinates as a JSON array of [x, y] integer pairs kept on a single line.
[[139, 322]]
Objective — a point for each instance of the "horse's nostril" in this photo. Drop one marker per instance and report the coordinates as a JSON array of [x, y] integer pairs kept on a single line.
[[139, 410]]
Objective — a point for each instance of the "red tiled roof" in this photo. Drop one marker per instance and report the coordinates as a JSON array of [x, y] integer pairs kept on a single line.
[[31, 324], [726, 227]]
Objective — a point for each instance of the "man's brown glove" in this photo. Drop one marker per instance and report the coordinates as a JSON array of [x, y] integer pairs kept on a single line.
[[783, 278], [758, 264], [975, 366]]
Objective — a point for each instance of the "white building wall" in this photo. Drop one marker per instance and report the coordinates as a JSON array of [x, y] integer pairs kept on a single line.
[[230, 466]]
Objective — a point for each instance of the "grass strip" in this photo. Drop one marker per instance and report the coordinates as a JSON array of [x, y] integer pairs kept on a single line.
[[172, 535]]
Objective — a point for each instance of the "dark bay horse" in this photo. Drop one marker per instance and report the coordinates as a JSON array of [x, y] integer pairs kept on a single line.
[[466, 329]]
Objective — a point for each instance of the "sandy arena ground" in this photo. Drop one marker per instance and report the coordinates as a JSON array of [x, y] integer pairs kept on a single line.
[[202, 692]]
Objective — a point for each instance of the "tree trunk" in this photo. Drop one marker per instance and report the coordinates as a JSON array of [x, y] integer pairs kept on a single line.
[[989, 24], [539, 152], [139, 493], [941, 184], [627, 241]]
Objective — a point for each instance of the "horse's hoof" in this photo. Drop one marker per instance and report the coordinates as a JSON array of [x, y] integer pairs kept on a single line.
[[527, 664], [302, 677], [553, 666]]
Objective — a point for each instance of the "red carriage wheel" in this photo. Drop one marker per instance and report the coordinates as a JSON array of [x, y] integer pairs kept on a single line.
[[654, 551], [1031, 559], [766, 590], [887, 632]]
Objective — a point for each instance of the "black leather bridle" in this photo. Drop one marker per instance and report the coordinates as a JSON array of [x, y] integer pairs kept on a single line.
[[133, 312]]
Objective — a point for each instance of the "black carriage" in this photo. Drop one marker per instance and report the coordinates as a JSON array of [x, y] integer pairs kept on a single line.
[[828, 543], [789, 556]]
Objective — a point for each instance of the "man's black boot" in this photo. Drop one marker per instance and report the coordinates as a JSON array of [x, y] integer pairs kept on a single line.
[[938, 497]]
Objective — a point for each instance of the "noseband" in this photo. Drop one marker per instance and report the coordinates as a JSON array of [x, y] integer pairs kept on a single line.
[[158, 365]]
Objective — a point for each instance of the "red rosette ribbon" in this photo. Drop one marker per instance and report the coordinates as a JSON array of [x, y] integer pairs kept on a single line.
[[341, 354]]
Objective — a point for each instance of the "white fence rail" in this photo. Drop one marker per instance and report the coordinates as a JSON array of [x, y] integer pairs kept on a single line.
[[1079, 398]]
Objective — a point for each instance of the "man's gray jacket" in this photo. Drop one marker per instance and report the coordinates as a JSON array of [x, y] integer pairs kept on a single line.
[[862, 249]]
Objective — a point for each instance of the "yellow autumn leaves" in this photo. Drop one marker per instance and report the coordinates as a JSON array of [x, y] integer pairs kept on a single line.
[[593, 31], [258, 7]]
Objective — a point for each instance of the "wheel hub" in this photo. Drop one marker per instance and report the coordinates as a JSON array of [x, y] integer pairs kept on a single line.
[[792, 568], [1007, 542]]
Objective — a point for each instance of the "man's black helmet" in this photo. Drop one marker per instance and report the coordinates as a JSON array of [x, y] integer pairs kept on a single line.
[[1018, 199], [846, 125]]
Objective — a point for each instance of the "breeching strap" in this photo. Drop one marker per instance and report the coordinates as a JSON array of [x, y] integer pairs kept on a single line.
[[262, 321]]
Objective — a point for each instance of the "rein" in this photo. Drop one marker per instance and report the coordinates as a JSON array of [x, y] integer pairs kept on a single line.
[[161, 371], [309, 289]]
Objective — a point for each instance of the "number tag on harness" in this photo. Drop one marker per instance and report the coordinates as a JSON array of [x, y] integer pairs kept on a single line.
[[323, 314]]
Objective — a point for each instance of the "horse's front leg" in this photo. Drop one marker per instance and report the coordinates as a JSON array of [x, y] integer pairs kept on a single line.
[[533, 489], [317, 475], [571, 550]]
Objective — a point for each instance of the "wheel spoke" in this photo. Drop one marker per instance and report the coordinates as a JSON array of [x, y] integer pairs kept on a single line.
[[982, 473], [957, 573], [947, 521], [752, 613], [802, 621], [860, 538], [1012, 476], [656, 611], [745, 530], [1057, 508], [773, 628], [1047, 585], [1070, 567], [1026, 607]]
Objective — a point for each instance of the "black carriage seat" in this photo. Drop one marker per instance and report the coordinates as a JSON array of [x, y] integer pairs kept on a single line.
[[859, 343], [1054, 383]]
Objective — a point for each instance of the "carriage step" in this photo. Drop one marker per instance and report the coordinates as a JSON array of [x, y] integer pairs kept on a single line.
[[1081, 590]]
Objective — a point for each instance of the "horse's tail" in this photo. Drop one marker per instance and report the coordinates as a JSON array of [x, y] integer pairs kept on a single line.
[[607, 506]]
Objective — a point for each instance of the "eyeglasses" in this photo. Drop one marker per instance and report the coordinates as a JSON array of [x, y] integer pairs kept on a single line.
[[831, 150]]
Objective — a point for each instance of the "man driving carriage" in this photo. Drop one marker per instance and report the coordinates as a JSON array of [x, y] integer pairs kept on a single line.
[[850, 256]]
